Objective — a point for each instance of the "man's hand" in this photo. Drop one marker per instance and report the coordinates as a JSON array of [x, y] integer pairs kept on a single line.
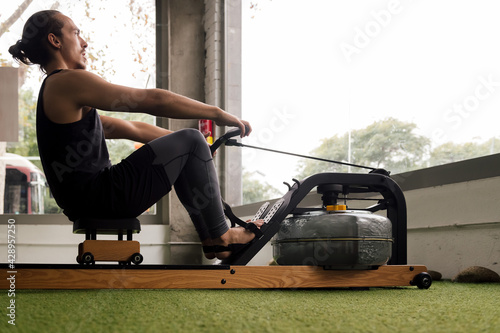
[[227, 119]]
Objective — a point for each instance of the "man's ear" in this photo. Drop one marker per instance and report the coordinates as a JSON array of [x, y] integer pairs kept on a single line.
[[54, 41]]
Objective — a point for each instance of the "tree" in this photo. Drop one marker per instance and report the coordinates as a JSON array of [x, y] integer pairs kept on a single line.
[[27, 145], [255, 191], [452, 152], [130, 24], [24, 70], [390, 144], [132, 19], [4, 26]]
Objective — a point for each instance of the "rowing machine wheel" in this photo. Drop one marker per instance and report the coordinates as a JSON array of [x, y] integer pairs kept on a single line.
[[422, 280], [136, 258], [87, 259]]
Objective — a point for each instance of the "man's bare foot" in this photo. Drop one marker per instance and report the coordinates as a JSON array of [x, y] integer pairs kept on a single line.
[[234, 236]]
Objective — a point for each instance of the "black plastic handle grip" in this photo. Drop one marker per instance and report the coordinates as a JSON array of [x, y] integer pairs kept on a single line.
[[229, 134]]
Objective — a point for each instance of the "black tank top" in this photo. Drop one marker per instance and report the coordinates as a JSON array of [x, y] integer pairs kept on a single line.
[[74, 157]]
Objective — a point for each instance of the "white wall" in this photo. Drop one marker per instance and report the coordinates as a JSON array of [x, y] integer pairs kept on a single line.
[[56, 244], [452, 227]]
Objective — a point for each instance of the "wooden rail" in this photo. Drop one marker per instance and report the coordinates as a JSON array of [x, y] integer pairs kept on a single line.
[[202, 277]]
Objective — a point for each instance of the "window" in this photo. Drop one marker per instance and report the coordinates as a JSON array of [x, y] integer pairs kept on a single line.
[[121, 49], [400, 85]]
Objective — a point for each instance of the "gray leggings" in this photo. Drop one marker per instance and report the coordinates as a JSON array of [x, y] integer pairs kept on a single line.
[[187, 162]]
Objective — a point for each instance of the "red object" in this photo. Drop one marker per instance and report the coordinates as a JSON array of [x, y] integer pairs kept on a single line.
[[206, 126]]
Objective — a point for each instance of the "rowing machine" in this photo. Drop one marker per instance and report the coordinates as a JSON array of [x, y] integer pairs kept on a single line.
[[332, 236], [331, 246]]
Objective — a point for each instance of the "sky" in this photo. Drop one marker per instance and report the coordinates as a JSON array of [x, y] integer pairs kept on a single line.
[[324, 67], [313, 69]]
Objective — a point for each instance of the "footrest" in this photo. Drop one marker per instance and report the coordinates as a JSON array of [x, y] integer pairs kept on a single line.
[[260, 212], [273, 210]]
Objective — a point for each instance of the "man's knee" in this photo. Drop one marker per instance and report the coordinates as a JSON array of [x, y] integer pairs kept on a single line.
[[181, 142], [193, 138], [186, 136], [191, 134]]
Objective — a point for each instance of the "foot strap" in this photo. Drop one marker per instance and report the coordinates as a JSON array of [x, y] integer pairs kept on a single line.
[[237, 221]]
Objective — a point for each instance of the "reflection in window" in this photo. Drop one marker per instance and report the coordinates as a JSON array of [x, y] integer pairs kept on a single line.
[[24, 190]]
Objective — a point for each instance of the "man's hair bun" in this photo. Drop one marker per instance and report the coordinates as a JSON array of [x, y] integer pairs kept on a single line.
[[17, 52]]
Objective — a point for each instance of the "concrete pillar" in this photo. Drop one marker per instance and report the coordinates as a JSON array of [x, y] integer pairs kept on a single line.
[[9, 114], [180, 68], [192, 60], [231, 167]]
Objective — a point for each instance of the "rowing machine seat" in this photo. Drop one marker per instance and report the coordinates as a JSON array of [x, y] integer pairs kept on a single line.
[[92, 250]]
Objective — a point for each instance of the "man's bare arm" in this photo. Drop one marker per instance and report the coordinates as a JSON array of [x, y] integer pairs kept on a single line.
[[82, 88], [115, 128]]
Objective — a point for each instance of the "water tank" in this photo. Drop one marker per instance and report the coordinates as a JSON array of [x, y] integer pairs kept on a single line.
[[335, 239]]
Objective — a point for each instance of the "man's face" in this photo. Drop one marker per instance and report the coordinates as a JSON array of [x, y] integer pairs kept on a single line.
[[73, 46]]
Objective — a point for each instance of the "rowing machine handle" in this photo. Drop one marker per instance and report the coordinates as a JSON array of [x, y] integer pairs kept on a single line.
[[229, 134]]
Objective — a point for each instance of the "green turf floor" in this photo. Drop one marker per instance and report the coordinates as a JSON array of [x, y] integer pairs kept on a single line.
[[445, 307]]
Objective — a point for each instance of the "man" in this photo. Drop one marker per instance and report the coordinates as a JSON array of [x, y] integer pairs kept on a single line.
[[71, 139]]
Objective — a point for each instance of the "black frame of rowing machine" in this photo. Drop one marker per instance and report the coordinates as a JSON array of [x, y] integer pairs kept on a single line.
[[393, 201]]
